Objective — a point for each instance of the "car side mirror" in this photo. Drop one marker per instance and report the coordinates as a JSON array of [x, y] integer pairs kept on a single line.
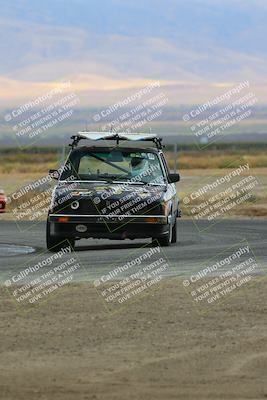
[[54, 173], [174, 178]]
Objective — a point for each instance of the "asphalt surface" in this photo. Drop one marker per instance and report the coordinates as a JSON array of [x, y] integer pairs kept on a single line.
[[192, 252]]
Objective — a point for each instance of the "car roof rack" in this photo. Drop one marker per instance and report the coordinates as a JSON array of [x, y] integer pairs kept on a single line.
[[140, 137]]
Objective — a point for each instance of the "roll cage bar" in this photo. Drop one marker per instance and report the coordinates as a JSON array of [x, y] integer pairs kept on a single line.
[[117, 137]]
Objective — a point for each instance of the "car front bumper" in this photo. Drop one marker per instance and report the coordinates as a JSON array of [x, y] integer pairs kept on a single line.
[[99, 226]]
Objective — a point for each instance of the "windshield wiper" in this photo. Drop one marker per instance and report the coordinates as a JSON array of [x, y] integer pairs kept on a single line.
[[146, 183], [109, 177]]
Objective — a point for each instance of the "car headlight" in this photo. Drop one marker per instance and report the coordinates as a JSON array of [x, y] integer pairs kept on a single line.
[[75, 205], [166, 208]]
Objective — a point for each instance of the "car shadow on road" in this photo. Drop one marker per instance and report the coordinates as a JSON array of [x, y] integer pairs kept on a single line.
[[113, 246]]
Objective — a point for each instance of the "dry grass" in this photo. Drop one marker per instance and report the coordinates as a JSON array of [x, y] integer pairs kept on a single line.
[[27, 163], [211, 159], [256, 205]]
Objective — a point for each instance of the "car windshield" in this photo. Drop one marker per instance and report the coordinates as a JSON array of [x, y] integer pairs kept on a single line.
[[114, 165]]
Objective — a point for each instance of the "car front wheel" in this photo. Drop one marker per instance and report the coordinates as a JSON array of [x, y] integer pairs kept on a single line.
[[165, 240], [174, 232], [55, 244]]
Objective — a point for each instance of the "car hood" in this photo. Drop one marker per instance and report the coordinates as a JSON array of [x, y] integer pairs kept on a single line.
[[106, 191]]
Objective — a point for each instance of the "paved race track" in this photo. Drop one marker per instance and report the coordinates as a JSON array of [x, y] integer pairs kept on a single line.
[[193, 249]]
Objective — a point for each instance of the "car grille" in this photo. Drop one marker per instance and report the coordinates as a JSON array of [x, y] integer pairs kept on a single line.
[[88, 207]]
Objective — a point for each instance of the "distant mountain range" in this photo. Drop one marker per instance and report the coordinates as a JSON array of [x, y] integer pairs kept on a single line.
[[111, 48], [190, 42]]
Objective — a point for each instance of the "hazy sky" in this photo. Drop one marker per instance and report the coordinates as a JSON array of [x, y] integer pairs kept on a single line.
[[107, 46]]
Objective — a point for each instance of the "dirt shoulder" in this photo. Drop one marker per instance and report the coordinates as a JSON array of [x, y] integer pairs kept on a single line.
[[159, 347]]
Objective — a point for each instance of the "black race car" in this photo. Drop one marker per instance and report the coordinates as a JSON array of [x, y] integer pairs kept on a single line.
[[113, 191]]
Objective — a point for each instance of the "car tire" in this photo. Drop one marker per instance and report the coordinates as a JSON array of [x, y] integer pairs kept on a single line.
[[174, 232], [165, 240], [55, 244]]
